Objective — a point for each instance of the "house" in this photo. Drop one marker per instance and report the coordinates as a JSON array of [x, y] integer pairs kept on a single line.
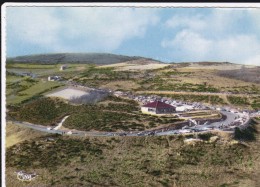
[[54, 78], [63, 67], [157, 107]]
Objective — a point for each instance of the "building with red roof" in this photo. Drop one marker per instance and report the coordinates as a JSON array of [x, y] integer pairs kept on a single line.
[[157, 107]]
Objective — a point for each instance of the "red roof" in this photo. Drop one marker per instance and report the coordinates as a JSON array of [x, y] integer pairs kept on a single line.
[[158, 104]]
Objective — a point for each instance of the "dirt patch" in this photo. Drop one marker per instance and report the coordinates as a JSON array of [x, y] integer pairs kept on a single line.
[[68, 93], [132, 67]]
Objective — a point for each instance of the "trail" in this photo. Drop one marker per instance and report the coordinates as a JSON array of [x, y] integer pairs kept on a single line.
[[60, 124]]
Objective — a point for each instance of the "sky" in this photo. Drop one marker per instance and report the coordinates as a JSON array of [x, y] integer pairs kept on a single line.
[[165, 34]]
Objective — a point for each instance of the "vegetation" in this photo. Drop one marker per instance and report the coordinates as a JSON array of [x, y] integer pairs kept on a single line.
[[256, 103], [130, 161], [236, 100], [125, 161], [122, 114], [158, 83], [248, 134], [72, 58], [19, 92], [43, 111]]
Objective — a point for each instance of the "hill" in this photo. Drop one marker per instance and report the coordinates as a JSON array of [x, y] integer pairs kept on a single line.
[[73, 58]]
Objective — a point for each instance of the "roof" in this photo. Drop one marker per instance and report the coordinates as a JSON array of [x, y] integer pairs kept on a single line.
[[158, 104]]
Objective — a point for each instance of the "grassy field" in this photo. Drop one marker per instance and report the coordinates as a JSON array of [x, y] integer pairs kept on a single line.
[[28, 90], [135, 161]]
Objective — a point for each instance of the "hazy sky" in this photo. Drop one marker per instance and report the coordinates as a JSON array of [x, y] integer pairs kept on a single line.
[[167, 34]]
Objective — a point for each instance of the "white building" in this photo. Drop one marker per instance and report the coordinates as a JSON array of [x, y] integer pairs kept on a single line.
[[54, 78], [63, 67]]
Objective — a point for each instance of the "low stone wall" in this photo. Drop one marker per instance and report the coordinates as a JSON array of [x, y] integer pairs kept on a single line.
[[201, 121]]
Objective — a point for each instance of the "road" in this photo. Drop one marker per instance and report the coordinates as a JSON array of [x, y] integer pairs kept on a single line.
[[231, 117]]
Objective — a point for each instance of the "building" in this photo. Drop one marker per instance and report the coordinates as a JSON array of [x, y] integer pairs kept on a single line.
[[157, 107], [54, 78], [63, 67]]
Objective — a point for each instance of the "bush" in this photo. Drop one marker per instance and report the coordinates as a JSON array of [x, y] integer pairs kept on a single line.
[[238, 100], [205, 136], [247, 134]]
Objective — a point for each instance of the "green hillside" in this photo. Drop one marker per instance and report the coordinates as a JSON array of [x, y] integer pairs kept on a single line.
[[76, 58]]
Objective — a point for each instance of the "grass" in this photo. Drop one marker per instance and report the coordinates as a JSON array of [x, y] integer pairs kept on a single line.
[[13, 78], [30, 66], [30, 90], [236, 100]]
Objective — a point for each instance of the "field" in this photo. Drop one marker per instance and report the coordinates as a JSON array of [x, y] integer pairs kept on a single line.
[[23, 90], [135, 161]]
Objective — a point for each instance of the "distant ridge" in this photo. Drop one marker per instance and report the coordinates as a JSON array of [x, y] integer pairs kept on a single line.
[[73, 58]]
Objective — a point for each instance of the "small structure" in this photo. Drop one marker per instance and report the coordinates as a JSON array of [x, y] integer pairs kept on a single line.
[[157, 107], [118, 93], [63, 67], [54, 78], [182, 108]]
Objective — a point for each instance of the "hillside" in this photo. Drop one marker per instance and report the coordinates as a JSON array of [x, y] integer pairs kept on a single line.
[[245, 74], [73, 58], [135, 161]]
